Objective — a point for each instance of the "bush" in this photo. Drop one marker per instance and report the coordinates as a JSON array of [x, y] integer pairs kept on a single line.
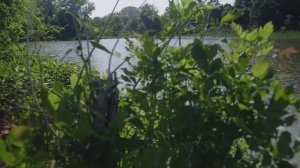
[[192, 106]]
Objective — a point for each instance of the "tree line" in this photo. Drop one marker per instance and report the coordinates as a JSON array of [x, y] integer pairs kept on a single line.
[[284, 14], [64, 19], [59, 14]]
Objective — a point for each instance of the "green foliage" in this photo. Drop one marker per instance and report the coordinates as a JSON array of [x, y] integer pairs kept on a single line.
[[260, 69], [133, 20], [190, 106], [258, 12], [15, 93], [62, 19], [230, 17], [202, 100], [13, 16]]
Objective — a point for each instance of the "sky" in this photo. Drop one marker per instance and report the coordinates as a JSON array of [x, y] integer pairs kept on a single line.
[[104, 7]]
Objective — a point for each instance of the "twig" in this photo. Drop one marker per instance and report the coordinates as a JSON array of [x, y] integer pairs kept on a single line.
[[28, 66]]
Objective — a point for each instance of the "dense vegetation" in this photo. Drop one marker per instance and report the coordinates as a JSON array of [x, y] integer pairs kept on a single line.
[[58, 15], [189, 106]]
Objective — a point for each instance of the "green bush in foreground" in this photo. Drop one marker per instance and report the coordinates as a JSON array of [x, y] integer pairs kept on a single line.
[[192, 106]]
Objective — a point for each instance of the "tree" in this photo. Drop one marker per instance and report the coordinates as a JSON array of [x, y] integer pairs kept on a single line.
[[66, 21], [13, 17], [131, 14], [258, 12], [144, 19], [150, 19], [65, 15]]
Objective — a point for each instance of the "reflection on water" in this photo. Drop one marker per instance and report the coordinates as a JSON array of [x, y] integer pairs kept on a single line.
[[288, 64]]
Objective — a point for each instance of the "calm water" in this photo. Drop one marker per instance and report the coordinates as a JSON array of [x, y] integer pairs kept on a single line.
[[288, 68], [99, 60]]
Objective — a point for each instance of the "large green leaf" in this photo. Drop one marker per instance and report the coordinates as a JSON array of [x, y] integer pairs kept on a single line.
[[237, 28], [54, 100], [230, 16], [186, 3], [199, 54], [73, 80], [261, 67], [283, 145], [101, 47], [266, 31], [216, 65]]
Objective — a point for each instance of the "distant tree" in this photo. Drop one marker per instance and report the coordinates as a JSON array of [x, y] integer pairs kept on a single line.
[[13, 17], [48, 9], [131, 14], [282, 13], [129, 11], [80, 8], [150, 19], [144, 19]]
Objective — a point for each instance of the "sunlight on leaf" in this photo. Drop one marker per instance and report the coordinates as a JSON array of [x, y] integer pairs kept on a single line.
[[73, 80], [261, 67], [54, 100], [229, 17], [266, 31], [237, 28]]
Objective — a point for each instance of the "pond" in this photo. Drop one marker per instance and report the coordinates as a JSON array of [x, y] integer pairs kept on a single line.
[[99, 60], [288, 68]]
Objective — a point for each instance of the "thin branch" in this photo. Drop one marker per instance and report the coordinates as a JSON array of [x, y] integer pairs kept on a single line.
[[117, 42], [28, 66]]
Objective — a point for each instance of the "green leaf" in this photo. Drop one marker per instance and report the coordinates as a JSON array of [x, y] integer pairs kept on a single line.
[[118, 54], [242, 106], [266, 31], [252, 35], [54, 100], [279, 94], [261, 67], [6, 156], [284, 144], [224, 40], [73, 80], [216, 65], [199, 54], [237, 28], [230, 16], [101, 47], [186, 3]]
